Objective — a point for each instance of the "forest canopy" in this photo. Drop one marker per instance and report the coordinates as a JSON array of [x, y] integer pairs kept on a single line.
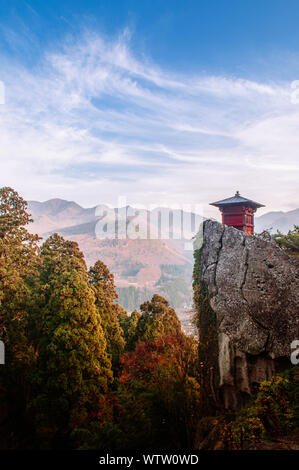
[[80, 371]]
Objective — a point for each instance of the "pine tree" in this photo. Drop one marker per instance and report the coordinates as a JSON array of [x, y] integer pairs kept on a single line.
[[290, 241]]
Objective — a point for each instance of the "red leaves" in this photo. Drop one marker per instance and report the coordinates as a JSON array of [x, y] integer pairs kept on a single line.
[[153, 358]]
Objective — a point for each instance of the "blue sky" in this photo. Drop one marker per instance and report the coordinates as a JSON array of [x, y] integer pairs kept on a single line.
[[164, 102]]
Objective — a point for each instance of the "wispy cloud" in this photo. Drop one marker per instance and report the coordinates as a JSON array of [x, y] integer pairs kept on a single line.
[[92, 121]]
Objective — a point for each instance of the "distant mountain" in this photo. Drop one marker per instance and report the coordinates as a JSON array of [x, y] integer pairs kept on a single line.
[[56, 214], [273, 221], [54, 207], [141, 266]]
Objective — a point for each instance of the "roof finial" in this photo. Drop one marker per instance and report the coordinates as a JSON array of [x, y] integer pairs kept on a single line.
[[237, 194]]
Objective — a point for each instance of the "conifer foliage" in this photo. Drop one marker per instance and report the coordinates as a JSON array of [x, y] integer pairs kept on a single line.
[[290, 241], [80, 371], [102, 283], [157, 319], [73, 368], [18, 264]]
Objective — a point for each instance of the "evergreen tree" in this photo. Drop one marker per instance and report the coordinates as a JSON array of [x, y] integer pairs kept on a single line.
[[290, 241], [18, 264], [102, 283], [61, 256], [157, 319], [18, 274], [129, 325], [123, 317], [73, 369]]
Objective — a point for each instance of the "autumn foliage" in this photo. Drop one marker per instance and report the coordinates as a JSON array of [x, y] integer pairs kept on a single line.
[[80, 372]]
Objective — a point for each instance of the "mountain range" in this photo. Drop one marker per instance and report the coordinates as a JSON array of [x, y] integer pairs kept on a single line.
[[152, 250], [273, 221], [156, 257]]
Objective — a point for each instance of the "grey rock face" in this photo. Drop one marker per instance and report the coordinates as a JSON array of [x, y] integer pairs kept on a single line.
[[253, 288]]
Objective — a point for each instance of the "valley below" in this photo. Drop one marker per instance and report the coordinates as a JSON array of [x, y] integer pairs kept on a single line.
[[142, 266]]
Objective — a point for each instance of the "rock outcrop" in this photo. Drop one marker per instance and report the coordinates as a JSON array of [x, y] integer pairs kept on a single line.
[[247, 300]]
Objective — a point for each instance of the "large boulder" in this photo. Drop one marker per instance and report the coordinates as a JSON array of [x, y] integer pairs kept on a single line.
[[249, 301]]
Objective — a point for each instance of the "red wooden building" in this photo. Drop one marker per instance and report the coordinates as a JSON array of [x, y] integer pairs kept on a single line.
[[237, 211]]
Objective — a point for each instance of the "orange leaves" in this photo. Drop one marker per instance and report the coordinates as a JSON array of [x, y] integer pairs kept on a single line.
[[173, 354]]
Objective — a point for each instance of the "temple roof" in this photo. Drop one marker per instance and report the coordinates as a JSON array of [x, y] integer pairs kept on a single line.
[[237, 199]]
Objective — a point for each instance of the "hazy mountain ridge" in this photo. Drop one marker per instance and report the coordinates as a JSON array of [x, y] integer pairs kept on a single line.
[[61, 214], [273, 221], [141, 267]]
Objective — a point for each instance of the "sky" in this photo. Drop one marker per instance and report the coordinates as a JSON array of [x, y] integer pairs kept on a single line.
[[169, 102]]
